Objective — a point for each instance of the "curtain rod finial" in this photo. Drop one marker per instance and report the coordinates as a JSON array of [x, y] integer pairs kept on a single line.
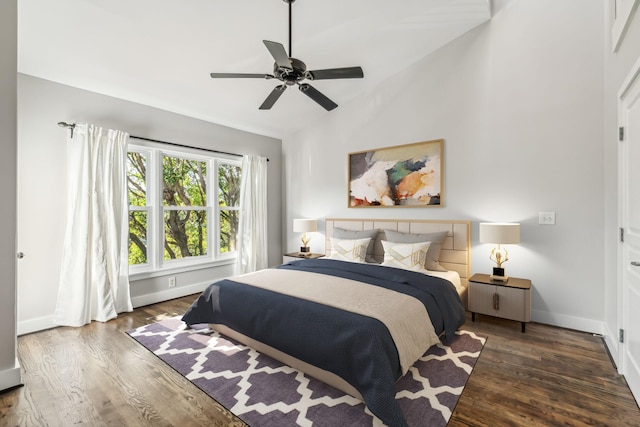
[[67, 125]]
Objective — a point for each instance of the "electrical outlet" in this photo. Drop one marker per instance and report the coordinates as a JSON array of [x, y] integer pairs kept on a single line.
[[172, 281], [547, 218]]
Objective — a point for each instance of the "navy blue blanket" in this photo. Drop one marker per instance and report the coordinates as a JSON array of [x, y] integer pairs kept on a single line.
[[357, 348]]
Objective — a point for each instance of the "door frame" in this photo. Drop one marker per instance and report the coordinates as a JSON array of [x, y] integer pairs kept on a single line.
[[623, 316]]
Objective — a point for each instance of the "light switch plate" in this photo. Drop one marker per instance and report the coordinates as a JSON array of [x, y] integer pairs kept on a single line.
[[547, 218]]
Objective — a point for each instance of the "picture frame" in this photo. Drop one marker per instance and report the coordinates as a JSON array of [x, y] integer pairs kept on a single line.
[[409, 175]]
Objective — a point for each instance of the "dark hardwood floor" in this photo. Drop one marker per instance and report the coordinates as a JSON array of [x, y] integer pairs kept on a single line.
[[98, 376], [547, 376]]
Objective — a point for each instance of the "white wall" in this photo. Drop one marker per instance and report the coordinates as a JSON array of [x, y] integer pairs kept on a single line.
[[9, 366], [42, 179], [519, 103], [617, 67]]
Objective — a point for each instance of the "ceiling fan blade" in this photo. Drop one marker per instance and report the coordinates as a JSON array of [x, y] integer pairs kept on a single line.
[[240, 76], [279, 54], [317, 96], [273, 97], [337, 73]]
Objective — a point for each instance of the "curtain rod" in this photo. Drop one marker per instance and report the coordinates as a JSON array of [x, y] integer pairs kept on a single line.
[[72, 126]]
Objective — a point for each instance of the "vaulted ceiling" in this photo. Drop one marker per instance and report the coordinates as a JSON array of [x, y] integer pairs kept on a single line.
[[160, 52]]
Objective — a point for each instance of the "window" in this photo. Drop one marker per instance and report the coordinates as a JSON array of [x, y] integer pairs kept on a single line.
[[228, 205], [138, 208], [184, 200], [173, 219]]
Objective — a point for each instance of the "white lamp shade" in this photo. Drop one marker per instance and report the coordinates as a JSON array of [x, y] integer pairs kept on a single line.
[[499, 232], [305, 225]]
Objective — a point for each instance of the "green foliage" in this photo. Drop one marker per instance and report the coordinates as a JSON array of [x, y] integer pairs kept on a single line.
[[137, 189], [228, 199], [229, 185], [184, 198], [137, 237], [184, 184], [229, 221], [136, 179], [185, 233]]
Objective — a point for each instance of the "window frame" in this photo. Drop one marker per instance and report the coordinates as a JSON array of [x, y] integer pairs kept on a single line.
[[156, 264]]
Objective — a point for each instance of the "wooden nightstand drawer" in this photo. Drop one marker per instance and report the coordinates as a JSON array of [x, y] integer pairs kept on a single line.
[[507, 300]]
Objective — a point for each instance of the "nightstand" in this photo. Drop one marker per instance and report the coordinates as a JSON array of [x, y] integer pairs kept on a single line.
[[299, 255], [507, 300]]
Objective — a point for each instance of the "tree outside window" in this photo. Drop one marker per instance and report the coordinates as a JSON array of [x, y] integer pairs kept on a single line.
[[138, 212], [178, 200], [229, 205], [184, 199]]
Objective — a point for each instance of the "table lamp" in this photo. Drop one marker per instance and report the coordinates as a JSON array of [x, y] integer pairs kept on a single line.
[[305, 226], [500, 233]]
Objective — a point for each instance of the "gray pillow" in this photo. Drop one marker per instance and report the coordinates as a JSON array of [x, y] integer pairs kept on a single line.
[[433, 254], [341, 233]]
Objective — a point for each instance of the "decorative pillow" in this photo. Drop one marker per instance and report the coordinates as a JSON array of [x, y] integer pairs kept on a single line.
[[409, 256], [354, 250], [436, 239], [341, 233]]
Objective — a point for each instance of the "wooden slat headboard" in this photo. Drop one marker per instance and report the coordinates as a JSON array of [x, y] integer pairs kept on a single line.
[[456, 248]]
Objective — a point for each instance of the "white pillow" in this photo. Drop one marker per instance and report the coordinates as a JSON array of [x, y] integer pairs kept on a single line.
[[409, 256], [354, 250]]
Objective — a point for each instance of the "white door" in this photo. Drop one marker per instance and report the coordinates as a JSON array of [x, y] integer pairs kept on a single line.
[[629, 162]]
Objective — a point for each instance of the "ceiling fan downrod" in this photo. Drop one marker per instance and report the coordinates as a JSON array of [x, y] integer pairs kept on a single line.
[[290, 24]]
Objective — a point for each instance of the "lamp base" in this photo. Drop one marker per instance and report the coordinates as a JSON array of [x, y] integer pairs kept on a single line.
[[498, 275]]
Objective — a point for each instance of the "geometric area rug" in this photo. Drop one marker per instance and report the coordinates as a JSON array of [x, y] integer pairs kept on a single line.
[[264, 393]]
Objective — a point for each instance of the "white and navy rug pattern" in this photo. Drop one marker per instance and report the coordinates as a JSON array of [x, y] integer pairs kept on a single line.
[[263, 392]]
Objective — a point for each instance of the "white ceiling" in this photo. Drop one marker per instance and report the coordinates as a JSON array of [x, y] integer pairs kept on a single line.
[[160, 52]]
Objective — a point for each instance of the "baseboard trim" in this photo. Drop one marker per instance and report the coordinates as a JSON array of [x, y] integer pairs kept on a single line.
[[43, 323], [568, 322], [35, 325], [11, 378], [169, 294], [613, 347]]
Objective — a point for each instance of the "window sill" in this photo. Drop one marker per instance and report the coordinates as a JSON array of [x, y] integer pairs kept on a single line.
[[182, 268]]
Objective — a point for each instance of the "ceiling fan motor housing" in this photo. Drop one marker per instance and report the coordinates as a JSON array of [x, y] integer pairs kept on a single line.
[[291, 76]]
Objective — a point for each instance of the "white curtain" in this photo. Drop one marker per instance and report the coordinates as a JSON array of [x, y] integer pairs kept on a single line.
[[94, 277], [252, 230]]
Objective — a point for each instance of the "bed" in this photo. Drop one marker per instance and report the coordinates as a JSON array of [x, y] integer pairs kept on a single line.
[[357, 326], [455, 253]]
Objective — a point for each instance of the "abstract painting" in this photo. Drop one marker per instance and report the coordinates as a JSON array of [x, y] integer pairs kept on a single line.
[[407, 175]]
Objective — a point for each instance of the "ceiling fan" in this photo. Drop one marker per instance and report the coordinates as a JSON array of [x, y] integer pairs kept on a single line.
[[291, 71]]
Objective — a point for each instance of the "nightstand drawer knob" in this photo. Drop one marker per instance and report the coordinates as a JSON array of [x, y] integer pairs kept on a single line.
[[635, 263]]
